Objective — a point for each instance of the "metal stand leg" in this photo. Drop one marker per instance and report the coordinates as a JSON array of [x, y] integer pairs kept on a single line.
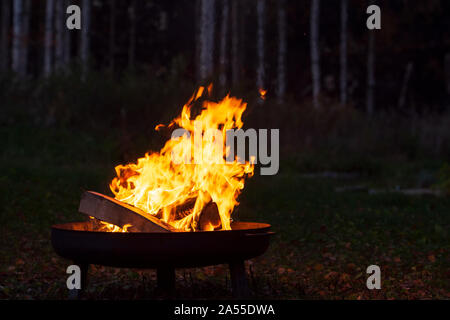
[[239, 280], [75, 294], [166, 281]]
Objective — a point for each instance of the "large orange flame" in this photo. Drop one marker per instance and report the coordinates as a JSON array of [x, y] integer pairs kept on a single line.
[[178, 191]]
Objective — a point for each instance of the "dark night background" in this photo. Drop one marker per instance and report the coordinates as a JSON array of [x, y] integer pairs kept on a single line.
[[356, 186]]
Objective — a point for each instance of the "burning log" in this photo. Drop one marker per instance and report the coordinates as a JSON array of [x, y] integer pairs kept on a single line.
[[209, 218], [120, 214]]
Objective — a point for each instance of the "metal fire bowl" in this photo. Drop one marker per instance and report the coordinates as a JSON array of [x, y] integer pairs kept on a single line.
[[78, 242]]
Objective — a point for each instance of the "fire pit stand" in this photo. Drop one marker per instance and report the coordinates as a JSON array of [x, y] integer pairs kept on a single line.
[[164, 252]]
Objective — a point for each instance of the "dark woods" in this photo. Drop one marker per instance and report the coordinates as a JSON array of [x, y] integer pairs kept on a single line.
[[140, 59]]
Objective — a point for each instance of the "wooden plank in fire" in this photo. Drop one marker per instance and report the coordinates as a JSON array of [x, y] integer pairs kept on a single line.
[[119, 213]]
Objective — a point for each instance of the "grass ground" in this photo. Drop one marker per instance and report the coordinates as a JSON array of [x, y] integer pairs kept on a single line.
[[324, 243]]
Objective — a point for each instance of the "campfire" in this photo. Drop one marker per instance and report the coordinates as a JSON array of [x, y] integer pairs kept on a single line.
[[170, 209], [188, 185]]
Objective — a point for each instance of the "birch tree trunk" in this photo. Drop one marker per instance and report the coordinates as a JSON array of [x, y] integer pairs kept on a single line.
[[5, 27], [59, 33], [315, 54], [132, 43], [343, 53], [48, 45], [17, 36], [370, 107], [260, 72], [207, 39], [235, 65], [112, 34], [25, 37], [282, 50], [224, 45], [198, 28], [85, 32], [67, 38]]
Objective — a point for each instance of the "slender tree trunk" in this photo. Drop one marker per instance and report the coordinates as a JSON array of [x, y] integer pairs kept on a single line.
[[207, 39], [132, 43], [343, 53], [59, 33], [48, 63], [243, 17], [198, 28], [85, 33], [315, 54], [282, 50], [163, 20], [16, 51], [404, 90], [5, 27], [260, 71], [112, 34], [25, 37], [371, 74], [67, 37], [224, 45], [211, 19], [235, 55]]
